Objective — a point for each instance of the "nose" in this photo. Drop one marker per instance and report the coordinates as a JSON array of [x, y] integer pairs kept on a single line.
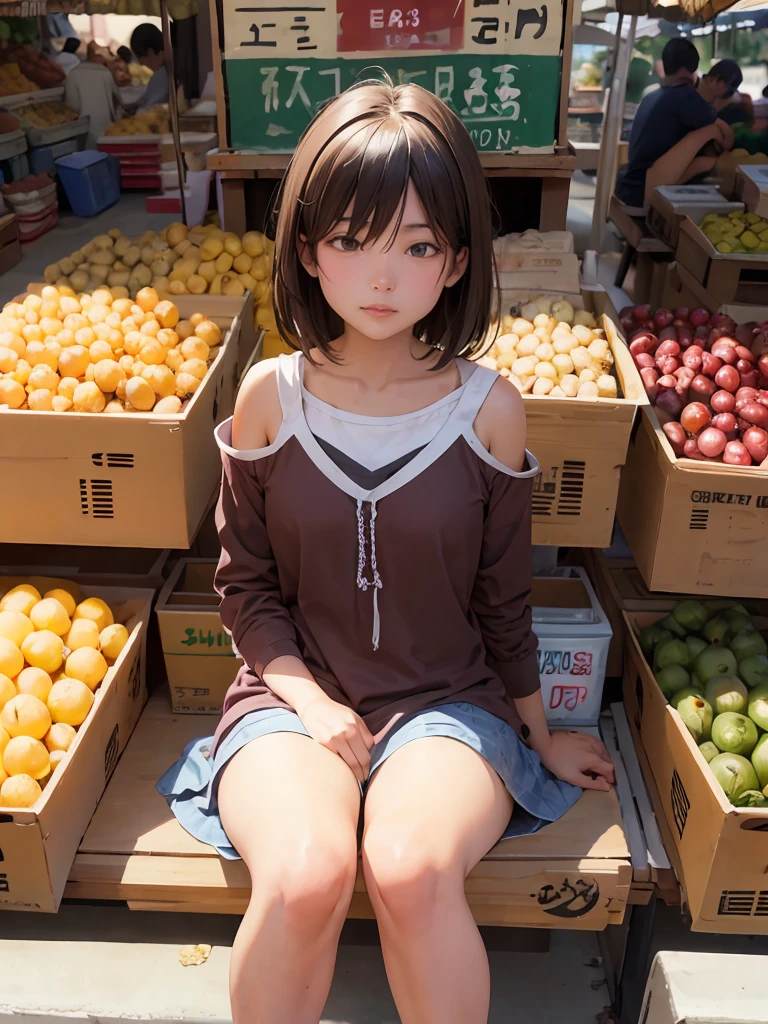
[[382, 277]]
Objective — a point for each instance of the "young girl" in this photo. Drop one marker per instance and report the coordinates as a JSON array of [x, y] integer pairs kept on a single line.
[[375, 575]]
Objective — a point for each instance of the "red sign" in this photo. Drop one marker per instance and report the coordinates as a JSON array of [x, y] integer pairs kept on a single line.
[[370, 26]]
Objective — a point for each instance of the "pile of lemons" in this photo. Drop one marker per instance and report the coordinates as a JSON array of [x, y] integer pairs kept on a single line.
[[54, 655], [97, 353]]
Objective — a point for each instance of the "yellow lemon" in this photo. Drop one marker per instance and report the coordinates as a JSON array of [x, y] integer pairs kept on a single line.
[[19, 791], [57, 756], [11, 658], [65, 599], [83, 633], [113, 639], [4, 740], [59, 737], [87, 665], [34, 681], [20, 599], [44, 650], [95, 609], [70, 701], [25, 715], [15, 626], [50, 614], [26, 756], [7, 691]]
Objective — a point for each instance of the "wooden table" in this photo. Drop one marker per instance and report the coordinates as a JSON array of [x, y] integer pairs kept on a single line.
[[652, 255], [575, 873]]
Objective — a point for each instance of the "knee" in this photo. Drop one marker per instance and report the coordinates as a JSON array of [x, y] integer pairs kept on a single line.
[[407, 883], [309, 890]]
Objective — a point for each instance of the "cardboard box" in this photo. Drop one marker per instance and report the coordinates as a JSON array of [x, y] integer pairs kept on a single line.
[[719, 851], [693, 527], [689, 988], [574, 635], [139, 480], [540, 271], [106, 567], [38, 844], [671, 204], [199, 658], [752, 188], [682, 289], [727, 277], [581, 446]]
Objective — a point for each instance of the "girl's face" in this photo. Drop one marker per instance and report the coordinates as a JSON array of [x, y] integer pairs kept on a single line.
[[385, 287]]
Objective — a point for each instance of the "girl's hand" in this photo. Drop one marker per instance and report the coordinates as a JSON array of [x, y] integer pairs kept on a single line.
[[579, 759], [340, 730]]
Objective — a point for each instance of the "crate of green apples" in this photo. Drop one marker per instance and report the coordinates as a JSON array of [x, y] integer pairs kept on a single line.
[[709, 659]]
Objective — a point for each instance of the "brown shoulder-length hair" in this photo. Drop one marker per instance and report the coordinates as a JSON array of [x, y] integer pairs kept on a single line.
[[361, 151]]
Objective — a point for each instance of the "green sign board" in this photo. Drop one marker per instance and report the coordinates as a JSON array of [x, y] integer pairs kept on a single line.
[[506, 102]]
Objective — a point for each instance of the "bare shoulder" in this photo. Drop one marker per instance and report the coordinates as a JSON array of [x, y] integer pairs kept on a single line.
[[500, 424], [258, 414]]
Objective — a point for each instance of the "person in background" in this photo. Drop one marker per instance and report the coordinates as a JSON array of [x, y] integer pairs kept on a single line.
[[674, 124], [124, 53], [68, 58], [148, 45], [91, 89]]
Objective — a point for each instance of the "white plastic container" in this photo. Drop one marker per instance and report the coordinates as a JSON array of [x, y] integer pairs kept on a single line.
[[574, 635]]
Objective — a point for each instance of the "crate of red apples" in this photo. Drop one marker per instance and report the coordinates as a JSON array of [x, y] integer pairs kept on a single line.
[[707, 379]]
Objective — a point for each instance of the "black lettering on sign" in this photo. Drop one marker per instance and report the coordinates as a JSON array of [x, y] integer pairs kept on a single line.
[[4, 887], [762, 501], [110, 754], [570, 900], [720, 498], [743, 903], [134, 679], [680, 804]]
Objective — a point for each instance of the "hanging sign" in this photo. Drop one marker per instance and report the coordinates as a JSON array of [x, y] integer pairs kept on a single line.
[[496, 63]]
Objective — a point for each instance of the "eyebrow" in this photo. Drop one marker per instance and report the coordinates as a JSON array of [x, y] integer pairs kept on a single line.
[[408, 227]]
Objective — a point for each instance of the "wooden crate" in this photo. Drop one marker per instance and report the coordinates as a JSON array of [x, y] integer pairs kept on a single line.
[[737, 277], [573, 874]]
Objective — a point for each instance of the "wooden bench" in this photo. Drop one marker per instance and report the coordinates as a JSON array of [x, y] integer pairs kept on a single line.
[[575, 873]]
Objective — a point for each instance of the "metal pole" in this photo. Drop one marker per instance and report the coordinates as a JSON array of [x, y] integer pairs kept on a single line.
[[612, 126], [714, 39], [173, 108]]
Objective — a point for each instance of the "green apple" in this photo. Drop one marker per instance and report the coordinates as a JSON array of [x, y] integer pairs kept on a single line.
[[734, 773], [672, 652], [697, 717], [746, 643], [691, 615], [734, 734], [688, 691], [717, 631], [708, 750], [757, 706], [650, 637], [695, 645], [715, 661], [760, 760], [726, 693], [671, 679], [754, 670]]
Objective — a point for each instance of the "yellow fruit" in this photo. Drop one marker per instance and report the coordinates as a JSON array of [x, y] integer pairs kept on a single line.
[[196, 285], [88, 397], [15, 627], [64, 598], [232, 244], [215, 285], [25, 755], [174, 359], [253, 243], [249, 283], [207, 271], [43, 650], [152, 353], [211, 249], [7, 692], [186, 384], [34, 681], [59, 737], [82, 633], [50, 614], [20, 599], [96, 610], [107, 374], [139, 394], [208, 331], [57, 756], [11, 393], [195, 319], [171, 404], [197, 367], [167, 314], [259, 268], [87, 665], [183, 329], [19, 791], [147, 299], [41, 400], [175, 234], [242, 263], [11, 657], [161, 380], [195, 348], [4, 741], [177, 288], [69, 701], [223, 263], [25, 715]]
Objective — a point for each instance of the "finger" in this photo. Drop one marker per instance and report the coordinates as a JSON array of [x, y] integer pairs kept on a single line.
[[598, 783], [346, 753], [366, 735], [359, 748], [599, 748], [604, 768]]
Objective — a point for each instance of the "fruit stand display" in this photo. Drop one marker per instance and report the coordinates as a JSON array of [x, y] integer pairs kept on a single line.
[[506, 75], [695, 692]]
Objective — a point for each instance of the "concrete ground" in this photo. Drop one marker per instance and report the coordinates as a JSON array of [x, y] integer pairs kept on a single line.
[[110, 963]]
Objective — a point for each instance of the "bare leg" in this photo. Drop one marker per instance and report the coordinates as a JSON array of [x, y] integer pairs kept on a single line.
[[290, 808], [671, 169], [433, 811]]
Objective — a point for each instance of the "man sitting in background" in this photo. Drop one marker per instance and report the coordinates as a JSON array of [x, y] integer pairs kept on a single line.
[[676, 135], [148, 45], [67, 58]]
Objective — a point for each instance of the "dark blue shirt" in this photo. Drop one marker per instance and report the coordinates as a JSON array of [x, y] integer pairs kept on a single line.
[[663, 119]]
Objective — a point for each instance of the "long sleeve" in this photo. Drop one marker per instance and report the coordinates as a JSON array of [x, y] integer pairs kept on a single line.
[[501, 594], [247, 578]]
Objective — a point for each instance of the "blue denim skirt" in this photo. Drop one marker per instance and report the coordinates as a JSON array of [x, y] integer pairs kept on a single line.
[[191, 785]]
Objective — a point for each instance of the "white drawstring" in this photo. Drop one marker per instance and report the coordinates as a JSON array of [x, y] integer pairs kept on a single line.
[[362, 581]]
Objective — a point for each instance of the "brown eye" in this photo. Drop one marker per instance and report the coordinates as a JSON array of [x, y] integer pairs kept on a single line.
[[345, 244]]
